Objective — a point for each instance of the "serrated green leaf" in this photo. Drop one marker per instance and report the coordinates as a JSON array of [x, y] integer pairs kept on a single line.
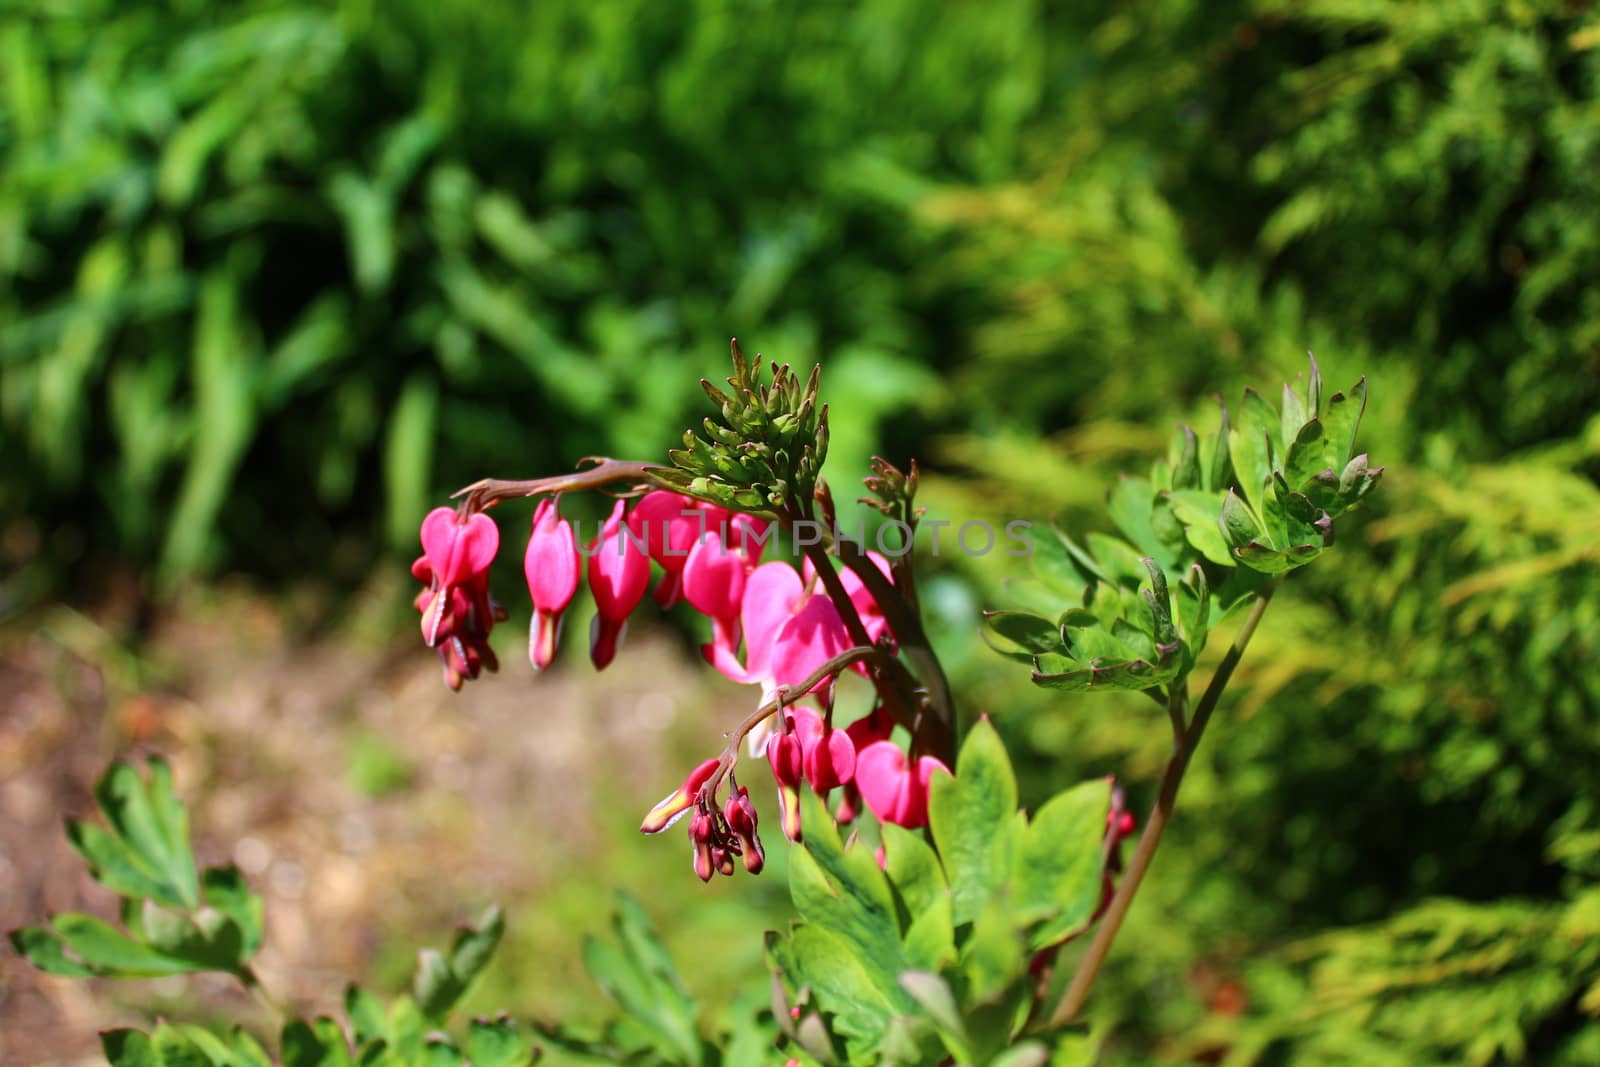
[[1266, 560], [1129, 506], [434, 984], [474, 946], [1214, 458], [497, 1043], [407, 1028], [440, 1052], [129, 1048], [930, 942], [225, 889], [1030, 633], [366, 1014], [1159, 601], [992, 957], [1305, 458], [1058, 870], [1293, 415], [1341, 423], [46, 951], [185, 1045], [214, 948], [110, 952], [1251, 446], [300, 1047], [1194, 608], [1239, 526], [845, 985], [151, 825], [972, 819], [933, 995], [1198, 512], [115, 865], [1184, 457], [913, 869], [247, 1051], [846, 894]]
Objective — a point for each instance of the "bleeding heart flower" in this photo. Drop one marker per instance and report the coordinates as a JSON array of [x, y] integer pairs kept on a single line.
[[811, 637], [786, 757], [552, 567], [619, 572], [894, 789], [668, 525], [714, 584], [826, 754], [674, 804], [456, 552], [740, 812]]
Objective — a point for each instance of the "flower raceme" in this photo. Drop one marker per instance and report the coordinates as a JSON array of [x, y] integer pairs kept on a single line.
[[772, 626]]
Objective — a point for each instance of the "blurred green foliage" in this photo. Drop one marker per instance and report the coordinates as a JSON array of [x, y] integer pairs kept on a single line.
[[272, 275]]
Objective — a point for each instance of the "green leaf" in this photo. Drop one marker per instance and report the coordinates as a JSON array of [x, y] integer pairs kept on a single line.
[[407, 457], [216, 947], [441, 1052], [189, 1046], [1194, 608], [110, 952], [1341, 423], [1266, 560], [845, 984], [474, 946], [147, 853], [46, 951], [498, 1043], [932, 994], [1250, 445], [1238, 524], [225, 889], [1199, 512], [913, 869], [118, 867], [1215, 459], [1159, 600], [1184, 456], [129, 1048], [1027, 1054], [1058, 869], [366, 1014], [992, 957], [247, 1051], [1294, 415], [300, 1047], [1130, 508], [930, 942], [972, 817], [434, 985], [1030, 634], [845, 893], [1305, 457]]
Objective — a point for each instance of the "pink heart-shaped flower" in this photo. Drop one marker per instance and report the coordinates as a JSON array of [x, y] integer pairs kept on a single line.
[[893, 788]]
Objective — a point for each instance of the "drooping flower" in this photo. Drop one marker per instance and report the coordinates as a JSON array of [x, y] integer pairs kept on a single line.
[[714, 583], [455, 551], [827, 756], [619, 572], [876, 725], [893, 787], [669, 525], [786, 756], [740, 811], [674, 804], [457, 610], [552, 567]]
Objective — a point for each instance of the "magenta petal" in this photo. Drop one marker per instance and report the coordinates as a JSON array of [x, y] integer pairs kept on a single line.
[[619, 570], [456, 550], [882, 778], [714, 579], [770, 595], [813, 636], [551, 563]]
